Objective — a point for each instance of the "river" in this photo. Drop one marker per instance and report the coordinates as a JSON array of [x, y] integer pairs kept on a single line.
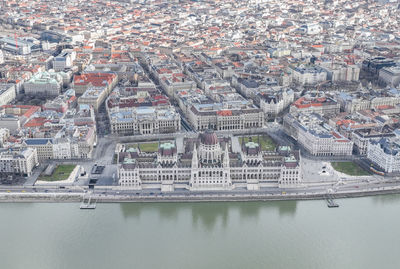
[[361, 233]]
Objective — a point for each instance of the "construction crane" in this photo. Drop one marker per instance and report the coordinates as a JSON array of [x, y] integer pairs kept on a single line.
[[319, 86]]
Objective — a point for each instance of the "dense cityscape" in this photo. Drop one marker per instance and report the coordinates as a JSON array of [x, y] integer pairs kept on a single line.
[[199, 99]]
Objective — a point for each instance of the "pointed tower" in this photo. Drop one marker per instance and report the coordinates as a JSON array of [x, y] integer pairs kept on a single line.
[[360, 86], [227, 182], [195, 160], [194, 178], [226, 156]]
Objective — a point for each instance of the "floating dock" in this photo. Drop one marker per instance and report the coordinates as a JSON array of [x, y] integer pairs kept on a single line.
[[331, 203], [88, 204]]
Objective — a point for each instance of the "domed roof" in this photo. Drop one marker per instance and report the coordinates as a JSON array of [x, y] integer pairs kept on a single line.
[[208, 138]]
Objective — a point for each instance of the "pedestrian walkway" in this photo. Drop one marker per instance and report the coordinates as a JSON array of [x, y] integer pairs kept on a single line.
[[32, 179]]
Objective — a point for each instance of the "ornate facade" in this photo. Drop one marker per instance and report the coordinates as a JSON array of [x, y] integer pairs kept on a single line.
[[208, 163]]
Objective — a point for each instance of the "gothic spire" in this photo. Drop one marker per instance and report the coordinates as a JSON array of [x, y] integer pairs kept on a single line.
[[226, 156], [195, 161]]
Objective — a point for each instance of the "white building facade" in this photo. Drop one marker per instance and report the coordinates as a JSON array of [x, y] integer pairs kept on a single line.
[[144, 120], [385, 153], [273, 104], [390, 75], [208, 164], [317, 137], [76, 144], [7, 93], [44, 83], [64, 60], [342, 72], [20, 161], [308, 75], [224, 117]]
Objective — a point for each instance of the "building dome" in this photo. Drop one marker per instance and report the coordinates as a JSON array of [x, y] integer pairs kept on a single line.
[[209, 138]]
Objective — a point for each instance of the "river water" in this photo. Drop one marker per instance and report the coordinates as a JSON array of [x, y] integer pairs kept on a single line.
[[361, 233]]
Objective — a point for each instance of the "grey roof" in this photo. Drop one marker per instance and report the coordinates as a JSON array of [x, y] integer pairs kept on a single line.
[[38, 141]]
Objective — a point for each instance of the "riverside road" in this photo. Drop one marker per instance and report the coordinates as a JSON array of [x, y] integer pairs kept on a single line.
[[113, 194]]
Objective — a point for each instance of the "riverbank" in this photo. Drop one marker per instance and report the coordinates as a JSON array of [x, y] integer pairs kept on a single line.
[[192, 197]]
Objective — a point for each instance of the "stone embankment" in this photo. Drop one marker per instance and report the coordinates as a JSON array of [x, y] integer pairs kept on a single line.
[[110, 198]]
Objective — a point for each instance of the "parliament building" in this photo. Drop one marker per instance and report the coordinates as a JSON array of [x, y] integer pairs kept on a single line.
[[208, 163]]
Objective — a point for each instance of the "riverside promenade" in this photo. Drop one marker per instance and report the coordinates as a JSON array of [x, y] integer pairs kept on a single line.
[[112, 196]]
